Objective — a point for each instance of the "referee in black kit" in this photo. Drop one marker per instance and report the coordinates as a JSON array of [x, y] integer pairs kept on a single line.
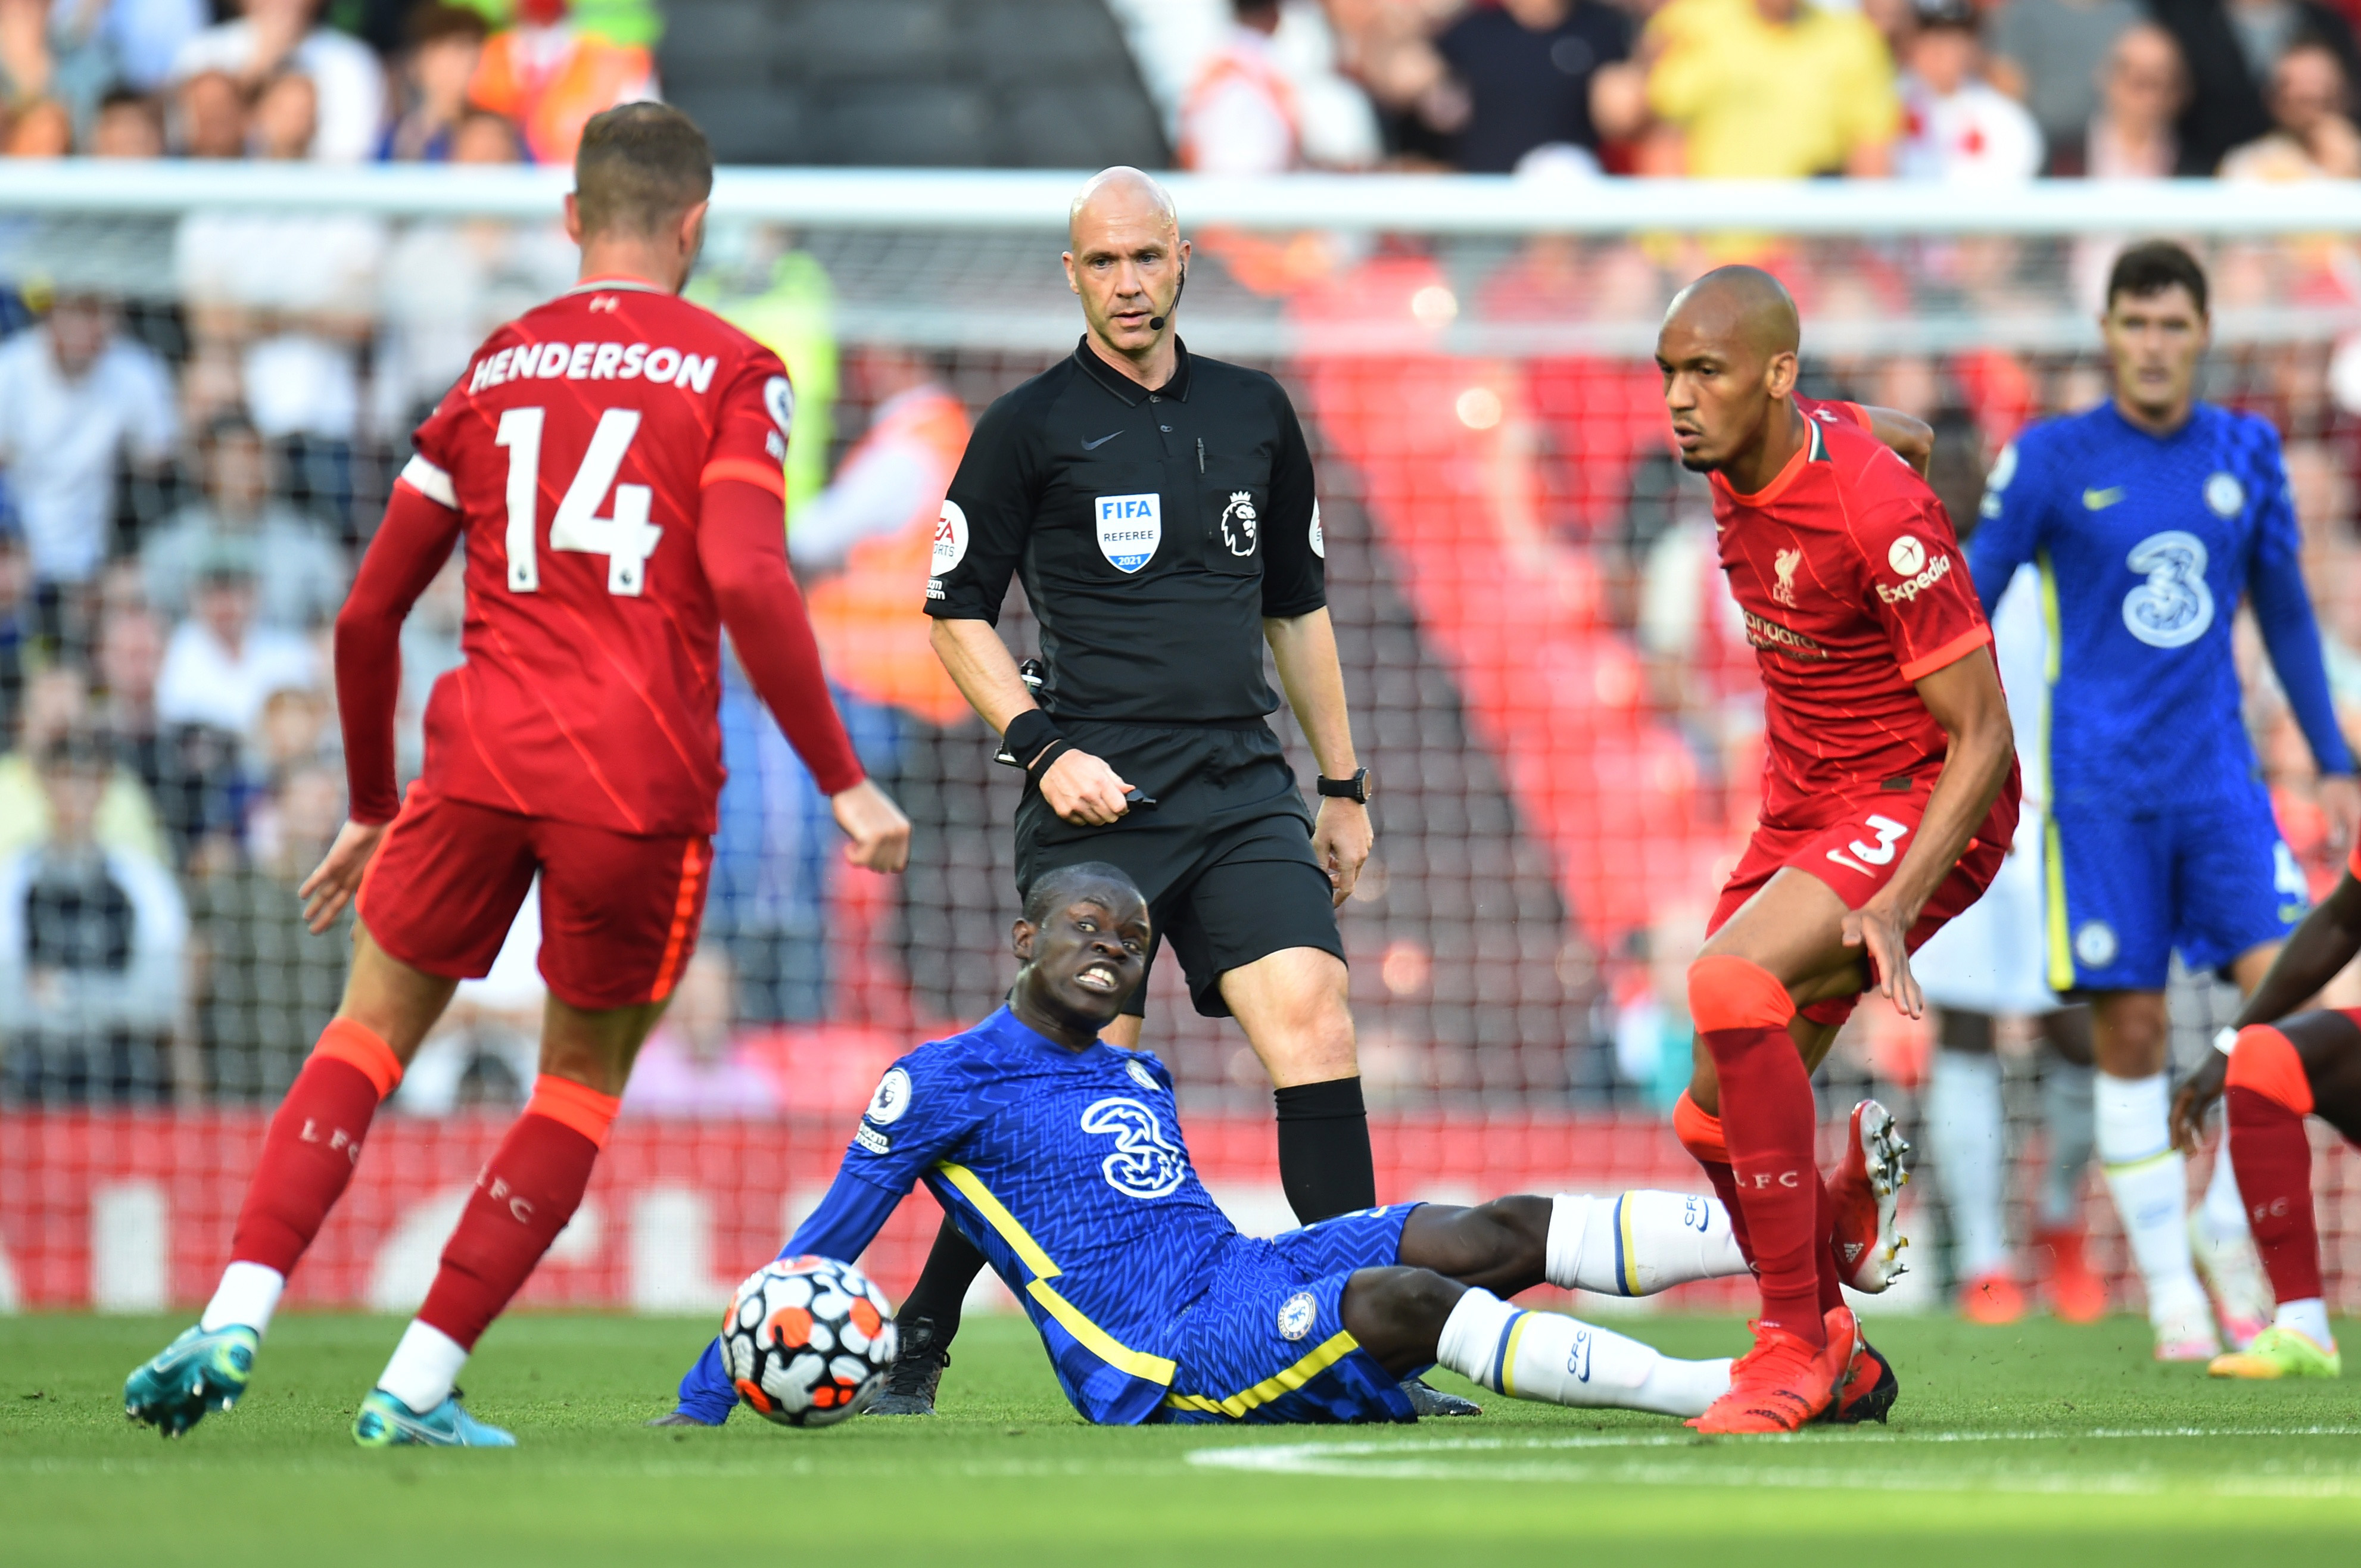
[[1160, 509]]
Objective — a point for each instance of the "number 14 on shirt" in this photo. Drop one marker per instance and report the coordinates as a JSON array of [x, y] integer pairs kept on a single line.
[[626, 537]]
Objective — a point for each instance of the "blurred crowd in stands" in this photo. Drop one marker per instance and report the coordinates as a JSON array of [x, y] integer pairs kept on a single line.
[[1976, 91], [481, 81], [1947, 90]]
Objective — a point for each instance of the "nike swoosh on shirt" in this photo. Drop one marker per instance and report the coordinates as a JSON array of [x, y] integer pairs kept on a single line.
[[2100, 500], [1102, 441]]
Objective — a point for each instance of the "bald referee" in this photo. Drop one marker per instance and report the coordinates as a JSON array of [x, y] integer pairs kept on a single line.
[[1158, 508]]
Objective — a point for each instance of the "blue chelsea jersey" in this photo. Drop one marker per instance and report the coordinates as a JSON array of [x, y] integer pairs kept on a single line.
[[2147, 545], [1067, 1170]]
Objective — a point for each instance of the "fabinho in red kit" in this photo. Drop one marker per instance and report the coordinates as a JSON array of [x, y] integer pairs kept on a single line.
[[613, 463], [1890, 798]]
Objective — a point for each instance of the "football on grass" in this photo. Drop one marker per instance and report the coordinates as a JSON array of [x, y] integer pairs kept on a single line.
[[809, 1342]]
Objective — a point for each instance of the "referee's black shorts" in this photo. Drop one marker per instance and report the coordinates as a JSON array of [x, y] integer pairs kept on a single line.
[[1225, 859]]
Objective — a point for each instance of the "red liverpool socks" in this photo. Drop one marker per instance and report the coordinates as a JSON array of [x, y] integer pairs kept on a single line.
[[2267, 1098], [1700, 1133], [525, 1194], [1767, 1118], [313, 1144]]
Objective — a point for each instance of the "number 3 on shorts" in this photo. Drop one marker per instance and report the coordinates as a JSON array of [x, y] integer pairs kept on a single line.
[[1889, 839]]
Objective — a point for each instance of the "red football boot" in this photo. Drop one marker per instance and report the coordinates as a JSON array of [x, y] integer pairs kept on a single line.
[[1992, 1299], [1783, 1382], [1866, 1192], [1868, 1391], [2076, 1292]]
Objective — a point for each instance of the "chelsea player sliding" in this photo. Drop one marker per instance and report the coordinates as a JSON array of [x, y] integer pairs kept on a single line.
[[1060, 1158], [2152, 516]]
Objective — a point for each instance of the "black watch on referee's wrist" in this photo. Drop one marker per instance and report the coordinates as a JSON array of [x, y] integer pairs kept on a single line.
[[1356, 788]]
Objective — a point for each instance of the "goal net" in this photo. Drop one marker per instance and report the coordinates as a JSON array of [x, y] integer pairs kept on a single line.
[[1547, 678]]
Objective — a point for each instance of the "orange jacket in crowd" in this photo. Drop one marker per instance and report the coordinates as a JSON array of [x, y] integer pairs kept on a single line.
[[873, 637], [550, 81]]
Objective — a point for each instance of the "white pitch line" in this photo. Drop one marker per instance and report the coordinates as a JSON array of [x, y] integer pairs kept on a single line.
[[1441, 1459]]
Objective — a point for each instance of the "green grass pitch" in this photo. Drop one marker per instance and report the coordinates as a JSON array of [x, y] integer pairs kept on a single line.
[[2038, 1442]]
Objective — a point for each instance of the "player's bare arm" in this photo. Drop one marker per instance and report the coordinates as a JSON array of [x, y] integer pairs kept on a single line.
[[1080, 788], [2313, 955], [1304, 649], [1912, 438], [1965, 698], [413, 540]]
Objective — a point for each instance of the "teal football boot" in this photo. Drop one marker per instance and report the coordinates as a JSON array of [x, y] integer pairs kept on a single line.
[[202, 1370], [385, 1423]]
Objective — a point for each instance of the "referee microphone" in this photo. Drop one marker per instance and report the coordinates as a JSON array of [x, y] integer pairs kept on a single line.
[[1155, 322]]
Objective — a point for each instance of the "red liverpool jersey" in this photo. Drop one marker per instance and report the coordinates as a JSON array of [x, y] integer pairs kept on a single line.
[[574, 448], [1853, 587]]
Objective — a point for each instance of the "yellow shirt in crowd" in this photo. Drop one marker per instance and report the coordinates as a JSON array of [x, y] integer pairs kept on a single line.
[[1760, 99]]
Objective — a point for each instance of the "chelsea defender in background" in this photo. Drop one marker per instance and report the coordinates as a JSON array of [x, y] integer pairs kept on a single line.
[[2151, 517]]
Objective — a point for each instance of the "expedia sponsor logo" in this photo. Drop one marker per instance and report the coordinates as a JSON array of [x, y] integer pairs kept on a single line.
[[1912, 586], [1770, 634], [595, 362]]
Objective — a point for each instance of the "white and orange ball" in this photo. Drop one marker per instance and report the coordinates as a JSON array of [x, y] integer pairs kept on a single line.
[[808, 1342]]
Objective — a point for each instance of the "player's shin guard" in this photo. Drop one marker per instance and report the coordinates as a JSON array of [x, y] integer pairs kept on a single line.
[[2148, 1180], [1548, 1357], [1768, 1119], [1325, 1164], [307, 1157], [2268, 1097], [1637, 1243], [525, 1194]]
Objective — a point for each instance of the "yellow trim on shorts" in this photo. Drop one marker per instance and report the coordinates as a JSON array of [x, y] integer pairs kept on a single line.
[[2060, 943], [1329, 1352], [1092, 1337]]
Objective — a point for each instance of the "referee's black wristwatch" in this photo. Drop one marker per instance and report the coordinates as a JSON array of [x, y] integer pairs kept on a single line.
[[1356, 788]]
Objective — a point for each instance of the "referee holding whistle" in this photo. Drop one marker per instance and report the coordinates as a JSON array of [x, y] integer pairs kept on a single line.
[[1158, 508]]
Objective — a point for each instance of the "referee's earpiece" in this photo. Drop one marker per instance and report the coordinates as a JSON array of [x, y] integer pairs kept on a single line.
[[1155, 322]]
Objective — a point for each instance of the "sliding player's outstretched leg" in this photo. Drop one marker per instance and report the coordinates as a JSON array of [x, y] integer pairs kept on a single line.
[[2310, 1064], [524, 1198], [308, 1158], [1462, 1262]]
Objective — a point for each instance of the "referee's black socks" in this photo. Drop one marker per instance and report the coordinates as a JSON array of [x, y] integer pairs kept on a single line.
[[1324, 1149], [942, 1289]]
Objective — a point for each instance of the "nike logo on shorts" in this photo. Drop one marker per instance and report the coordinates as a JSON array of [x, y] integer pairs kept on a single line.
[[2100, 500]]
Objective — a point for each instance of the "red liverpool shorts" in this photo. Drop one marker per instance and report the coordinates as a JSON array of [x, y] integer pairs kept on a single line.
[[1858, 853], [619, 914]]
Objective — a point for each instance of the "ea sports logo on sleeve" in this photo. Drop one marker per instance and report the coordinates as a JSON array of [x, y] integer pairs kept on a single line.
[[950, 538], [1908, 557]]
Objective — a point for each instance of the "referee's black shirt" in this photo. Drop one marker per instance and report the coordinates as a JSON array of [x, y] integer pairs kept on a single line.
[[1153, 532]]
